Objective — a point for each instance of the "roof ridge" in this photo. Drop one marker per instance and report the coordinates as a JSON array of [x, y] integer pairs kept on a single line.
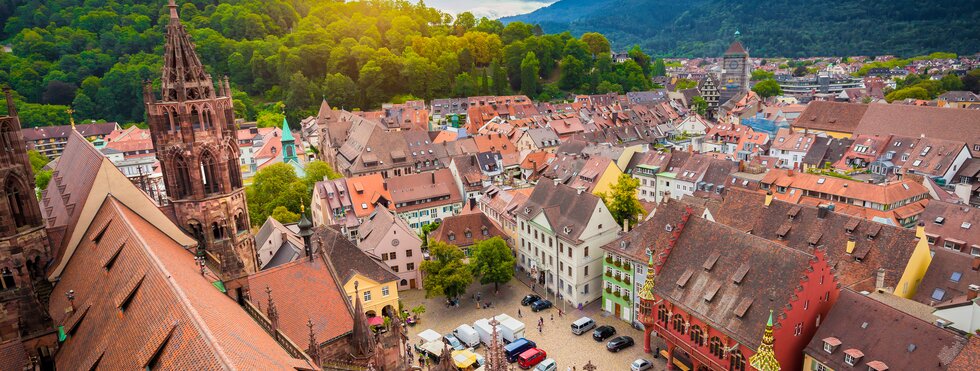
[[183, 299]]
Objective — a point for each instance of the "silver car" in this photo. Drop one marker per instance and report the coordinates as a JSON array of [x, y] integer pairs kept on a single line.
[[641, 364]]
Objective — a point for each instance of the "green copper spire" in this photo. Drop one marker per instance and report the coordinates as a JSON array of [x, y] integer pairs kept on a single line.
[[287, 135]]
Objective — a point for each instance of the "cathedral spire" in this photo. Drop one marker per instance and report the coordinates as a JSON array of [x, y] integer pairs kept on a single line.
[[765, 358], [313, 349], [173, 9], [362, 337], [646, 292], [184, 76]]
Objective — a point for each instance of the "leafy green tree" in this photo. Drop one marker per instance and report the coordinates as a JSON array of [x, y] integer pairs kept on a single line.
[[609, 87], [699, 105], [499, 80], [549, 92], [799, 71], [597, 43], [38, 161], [685, 84], [274, 186], [493, 262], [759, 75], [622, 201], [529, 74], [271, 117], [914, 92], [573, 73], [659, 68], [464, 85], [767, 88], [971, 81], [641, 59], [951, 83], [426, 229], [283, 215], [464, 22], [41, 180], [445, 273], [516, 31], [316, 171]]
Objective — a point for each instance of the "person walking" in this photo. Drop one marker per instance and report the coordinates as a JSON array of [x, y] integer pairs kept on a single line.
[[519, 315], [552, 317]]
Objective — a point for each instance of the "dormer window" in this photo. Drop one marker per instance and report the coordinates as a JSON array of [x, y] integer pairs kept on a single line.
[[567, 230], [830, 344], [452, 236], [852, 356]]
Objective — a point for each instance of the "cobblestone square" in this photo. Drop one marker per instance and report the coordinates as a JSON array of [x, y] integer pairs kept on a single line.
[[556, 337]]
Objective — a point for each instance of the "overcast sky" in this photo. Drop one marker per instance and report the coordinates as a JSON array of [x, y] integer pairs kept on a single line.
[[488, 8]]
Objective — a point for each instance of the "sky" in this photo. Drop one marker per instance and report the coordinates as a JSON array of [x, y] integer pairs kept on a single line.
[[488, 8]]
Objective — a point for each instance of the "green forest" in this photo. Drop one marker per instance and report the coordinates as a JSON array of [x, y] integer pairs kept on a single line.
[[94, 55], [771, 28]]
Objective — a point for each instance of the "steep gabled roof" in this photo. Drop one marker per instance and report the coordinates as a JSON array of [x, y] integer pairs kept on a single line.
[[347, 260], [564, 207], [140, 298]]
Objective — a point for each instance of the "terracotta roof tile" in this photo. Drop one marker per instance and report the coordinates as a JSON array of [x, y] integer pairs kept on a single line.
[[479, 226]]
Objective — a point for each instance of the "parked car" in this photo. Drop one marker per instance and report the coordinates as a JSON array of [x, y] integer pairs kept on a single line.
[[547, 365], [516, 348], [453, 342], [540, 305], [619, 343], [602, 333], [641, 364], [530, 299], [581, 325], [531, 357]]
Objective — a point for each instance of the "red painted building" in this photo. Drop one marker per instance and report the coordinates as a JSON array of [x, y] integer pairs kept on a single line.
[[715, 287]]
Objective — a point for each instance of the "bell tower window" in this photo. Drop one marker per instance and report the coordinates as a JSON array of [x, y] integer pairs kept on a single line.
[[182, 180], [16, 199], [209, 173]]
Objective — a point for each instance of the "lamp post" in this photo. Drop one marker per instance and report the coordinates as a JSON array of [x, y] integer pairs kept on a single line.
[[70, 294], [199, 261]]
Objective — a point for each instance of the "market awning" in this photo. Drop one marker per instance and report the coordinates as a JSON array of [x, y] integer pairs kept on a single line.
[[376, 321]]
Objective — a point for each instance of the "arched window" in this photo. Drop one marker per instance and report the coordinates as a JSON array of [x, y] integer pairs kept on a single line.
[[7, 137], [171, 116], [697, 336], [209, 171], [206, 119], [181, 178], [234, 171], [288, 151], [737, 361], [662, 314], [196, 230], [716, 348], [7, 279], [240, 223], [217, 231], [679, 324], [195, 119], [17, 201]]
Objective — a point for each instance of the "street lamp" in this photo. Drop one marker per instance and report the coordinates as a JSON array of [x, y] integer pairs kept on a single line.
[[199, 261], [70, 294]]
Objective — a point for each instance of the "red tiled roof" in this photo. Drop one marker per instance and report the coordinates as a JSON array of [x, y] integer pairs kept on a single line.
[[304, 290], [458, 225], [150, 302]]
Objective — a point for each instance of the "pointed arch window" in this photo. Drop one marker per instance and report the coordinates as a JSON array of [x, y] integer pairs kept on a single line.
[[716, 347], [17, 201], [207, 119], [240, 223], [171, 116], [182, 179], [234, 172], [679, 325], [662, 314], [195, 119], [7, 137], [209, 173], [697, 336]]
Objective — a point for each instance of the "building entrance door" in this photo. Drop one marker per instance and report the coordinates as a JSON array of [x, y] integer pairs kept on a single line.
[[619, 310], [411, 284]]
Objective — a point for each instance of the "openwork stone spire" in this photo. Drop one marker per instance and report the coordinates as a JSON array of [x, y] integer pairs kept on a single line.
[[765, 358], [272, 312], [313, 349], [496, 357], [363, 339], [184, 77]]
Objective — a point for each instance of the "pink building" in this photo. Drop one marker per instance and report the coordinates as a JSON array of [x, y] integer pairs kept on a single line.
[[389, 238]]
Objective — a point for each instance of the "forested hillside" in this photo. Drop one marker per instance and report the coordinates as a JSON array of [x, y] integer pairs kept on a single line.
[[94, 55], [771, 27]]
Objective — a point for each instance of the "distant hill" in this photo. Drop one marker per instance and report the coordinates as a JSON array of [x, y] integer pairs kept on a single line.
[[771, 27]]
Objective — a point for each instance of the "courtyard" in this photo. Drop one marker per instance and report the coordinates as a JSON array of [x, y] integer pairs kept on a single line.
[[555, 338]]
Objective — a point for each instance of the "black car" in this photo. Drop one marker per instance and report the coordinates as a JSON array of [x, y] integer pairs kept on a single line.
[[540, 305], [619, 343], [530, 299], [603, 332]]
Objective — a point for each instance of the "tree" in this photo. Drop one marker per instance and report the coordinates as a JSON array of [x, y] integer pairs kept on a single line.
[[316, 171], [499, 79], [608, 87], [426, 229], [529, 74], [699, 105], [493, 262], [799, 71], [767, 88], [418, 310], [464, 22], [685, 84], [622, 201], [38, 161], [914, 92], [641, 59], [274, 186], [445, 273], [971, 81], [951, 83], [759, 75], [283, 215], [464, 85], [597, 43], [659, 68], [573, 73]]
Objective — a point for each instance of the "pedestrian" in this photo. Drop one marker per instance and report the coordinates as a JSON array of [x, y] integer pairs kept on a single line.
[[519, 313], [552, 317]]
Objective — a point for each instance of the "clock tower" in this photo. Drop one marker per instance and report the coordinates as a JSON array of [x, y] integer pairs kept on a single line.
[[736, 67]]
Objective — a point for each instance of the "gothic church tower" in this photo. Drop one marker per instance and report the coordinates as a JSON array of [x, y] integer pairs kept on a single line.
[[194, 135]]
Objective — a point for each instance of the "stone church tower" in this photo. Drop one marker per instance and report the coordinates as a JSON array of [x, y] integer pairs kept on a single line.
[[194, 135]]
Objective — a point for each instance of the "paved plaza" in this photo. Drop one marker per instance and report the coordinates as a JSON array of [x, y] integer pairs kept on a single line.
[[556, 338]]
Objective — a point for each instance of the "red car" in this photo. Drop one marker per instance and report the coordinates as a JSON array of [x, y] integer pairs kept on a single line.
[[531, 357]]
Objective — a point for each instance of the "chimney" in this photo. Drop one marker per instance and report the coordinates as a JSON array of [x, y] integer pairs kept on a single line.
[[579, 190], [556, 182], [880, 279], [972, 291], [433, 176], [626, 225], [789, 172], [822, 211], [920, 230], [472, 160], [768, 198], [850, 245], [385, 185]]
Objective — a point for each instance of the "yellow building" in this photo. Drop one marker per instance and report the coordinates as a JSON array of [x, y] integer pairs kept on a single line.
[[917, 266], [607, 178], [360, 273]]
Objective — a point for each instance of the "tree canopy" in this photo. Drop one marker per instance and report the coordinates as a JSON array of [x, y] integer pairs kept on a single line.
[[492, 261], [767, 88], [622, 200], [278, 192], [95, 55], [445, 274]]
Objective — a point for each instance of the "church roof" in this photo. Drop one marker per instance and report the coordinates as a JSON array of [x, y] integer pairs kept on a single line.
[[736, 49], [140, 300], [287, 135]]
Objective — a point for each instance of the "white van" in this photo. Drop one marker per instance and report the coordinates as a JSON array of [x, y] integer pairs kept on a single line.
[[582, 325], [468, 335]]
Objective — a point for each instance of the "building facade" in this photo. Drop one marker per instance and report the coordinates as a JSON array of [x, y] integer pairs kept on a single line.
[[194, 135]]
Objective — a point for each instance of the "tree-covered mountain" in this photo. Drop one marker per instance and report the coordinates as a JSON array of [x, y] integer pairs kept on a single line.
[[769, 28], [94, 55]]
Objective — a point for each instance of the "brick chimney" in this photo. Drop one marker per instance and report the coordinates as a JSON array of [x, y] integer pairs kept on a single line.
[[972, 291], [880, 279]]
